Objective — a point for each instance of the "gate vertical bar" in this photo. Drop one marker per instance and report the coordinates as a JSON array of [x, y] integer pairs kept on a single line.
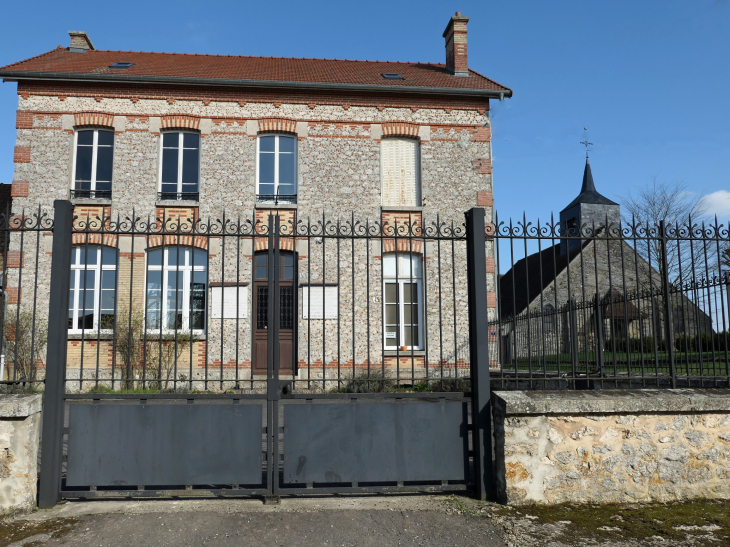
[[597, 314], [476, 260], [270, 359], [667, 305], [574, 347], [53, 413], [274, 329]]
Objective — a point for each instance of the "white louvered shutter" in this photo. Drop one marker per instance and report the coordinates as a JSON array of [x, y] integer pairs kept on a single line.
[[400, 171]]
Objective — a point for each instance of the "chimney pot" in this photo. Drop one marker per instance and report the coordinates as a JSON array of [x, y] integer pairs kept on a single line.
[[80, 41], [457, 61]]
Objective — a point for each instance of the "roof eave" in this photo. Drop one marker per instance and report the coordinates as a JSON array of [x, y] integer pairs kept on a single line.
[[15, 75]]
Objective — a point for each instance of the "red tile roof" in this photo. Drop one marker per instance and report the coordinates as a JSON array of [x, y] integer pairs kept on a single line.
[[175, 67]]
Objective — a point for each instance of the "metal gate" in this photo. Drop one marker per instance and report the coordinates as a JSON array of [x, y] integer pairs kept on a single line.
[[327, 425]]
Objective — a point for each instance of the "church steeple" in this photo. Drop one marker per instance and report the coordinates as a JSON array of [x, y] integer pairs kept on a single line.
[[588, 185], [589, 209], [588, 192]]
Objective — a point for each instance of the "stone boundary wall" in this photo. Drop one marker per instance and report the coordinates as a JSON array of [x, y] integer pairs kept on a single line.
[[20, 423], [611, 446]]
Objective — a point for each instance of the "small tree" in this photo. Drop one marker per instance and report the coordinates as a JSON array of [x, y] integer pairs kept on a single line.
[[672, 203], [129, 345], [167, 352], [153, 363], [725, 258], [25, 344]]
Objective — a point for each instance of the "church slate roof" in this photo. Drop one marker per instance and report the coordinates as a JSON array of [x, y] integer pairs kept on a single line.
[[588, 192], [527, 276]]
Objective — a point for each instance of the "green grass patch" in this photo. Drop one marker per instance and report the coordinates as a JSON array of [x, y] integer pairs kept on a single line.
[[18, 530], [673, 521]]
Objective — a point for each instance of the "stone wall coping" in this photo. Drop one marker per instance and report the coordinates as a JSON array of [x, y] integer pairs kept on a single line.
[[612, 401], [20, 406]]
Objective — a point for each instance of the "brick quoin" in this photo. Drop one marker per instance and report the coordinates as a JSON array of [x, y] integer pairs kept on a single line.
[[22, 154], [14, 259], [482, 134], [490, 265], [12, 293], [23, 120], [485, 198], [491, 299], [483, 166], [19, 189]]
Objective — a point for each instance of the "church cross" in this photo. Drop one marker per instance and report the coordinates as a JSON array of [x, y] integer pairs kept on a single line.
[[586, 144]]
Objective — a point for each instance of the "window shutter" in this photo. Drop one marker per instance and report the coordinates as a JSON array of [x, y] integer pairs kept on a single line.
[[400, 171]]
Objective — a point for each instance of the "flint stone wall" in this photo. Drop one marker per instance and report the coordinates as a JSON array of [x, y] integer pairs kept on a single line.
[[20, 420], [612, 446]]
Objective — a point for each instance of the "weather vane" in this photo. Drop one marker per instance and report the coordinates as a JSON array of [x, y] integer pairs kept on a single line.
[[585, 142]]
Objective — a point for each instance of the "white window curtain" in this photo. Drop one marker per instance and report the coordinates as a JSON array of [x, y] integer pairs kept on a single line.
[[400, 172]]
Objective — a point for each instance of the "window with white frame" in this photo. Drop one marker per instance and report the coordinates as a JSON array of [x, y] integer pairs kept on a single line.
[[400, 172], [403, 301], [92, 299], [180, 165], [176, 289], [93, 163], [276, 168]]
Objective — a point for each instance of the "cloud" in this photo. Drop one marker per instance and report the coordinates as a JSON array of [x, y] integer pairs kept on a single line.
[[717, 203]]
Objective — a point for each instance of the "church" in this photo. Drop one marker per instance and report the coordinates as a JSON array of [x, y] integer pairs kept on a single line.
[[589, 287]]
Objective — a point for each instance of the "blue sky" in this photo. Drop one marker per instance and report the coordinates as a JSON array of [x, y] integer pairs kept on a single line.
[[649, 79]]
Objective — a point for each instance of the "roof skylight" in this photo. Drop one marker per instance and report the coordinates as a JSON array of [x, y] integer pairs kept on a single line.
[[392, 76], [121, 65]]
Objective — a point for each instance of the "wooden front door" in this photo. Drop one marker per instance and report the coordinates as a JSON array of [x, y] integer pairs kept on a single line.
[[287, 313]]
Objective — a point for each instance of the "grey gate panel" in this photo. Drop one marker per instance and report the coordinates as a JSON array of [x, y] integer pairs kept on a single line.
[[375, 442], [164, 444]]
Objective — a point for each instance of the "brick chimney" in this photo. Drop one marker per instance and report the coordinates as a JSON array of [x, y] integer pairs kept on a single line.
[[80, 41], [456, 55]]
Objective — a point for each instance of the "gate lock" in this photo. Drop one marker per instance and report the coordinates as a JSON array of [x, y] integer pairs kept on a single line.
[[286, 387]]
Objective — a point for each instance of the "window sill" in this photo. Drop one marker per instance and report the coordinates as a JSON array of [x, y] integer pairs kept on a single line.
[[272, 205], [91, 336], [91, 201], [395, 208], [176, 203], [404, 353]]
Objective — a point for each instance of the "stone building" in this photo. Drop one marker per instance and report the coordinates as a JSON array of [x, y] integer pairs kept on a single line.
[[172, 137], [541, 293]]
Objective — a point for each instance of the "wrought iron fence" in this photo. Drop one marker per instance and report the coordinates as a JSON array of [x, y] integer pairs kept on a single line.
[[625, 305], [177, 304], [181, 304]]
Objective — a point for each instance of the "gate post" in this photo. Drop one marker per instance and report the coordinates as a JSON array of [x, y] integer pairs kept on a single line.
[[476, 260], [53, 411]]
